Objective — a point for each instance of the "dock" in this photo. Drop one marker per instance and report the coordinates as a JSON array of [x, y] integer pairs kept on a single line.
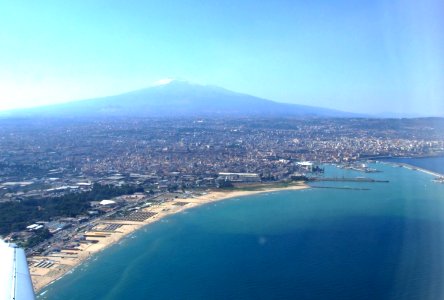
[[346, 179], [415, 168], [341, 188]]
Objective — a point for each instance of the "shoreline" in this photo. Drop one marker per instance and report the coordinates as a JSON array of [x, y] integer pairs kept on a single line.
[[68, 260]]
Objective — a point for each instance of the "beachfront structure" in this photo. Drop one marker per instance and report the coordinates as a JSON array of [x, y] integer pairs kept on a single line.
[[306, 165], [239, 177], [34, 227], [107, 202]]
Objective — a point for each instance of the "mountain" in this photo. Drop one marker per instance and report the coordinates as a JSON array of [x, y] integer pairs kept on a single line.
[[180, 98]]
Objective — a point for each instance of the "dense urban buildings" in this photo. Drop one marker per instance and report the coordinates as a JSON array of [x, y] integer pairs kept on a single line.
[[49, 157]]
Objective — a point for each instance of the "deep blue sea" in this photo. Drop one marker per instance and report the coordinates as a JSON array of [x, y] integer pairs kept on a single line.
[[320, 243]]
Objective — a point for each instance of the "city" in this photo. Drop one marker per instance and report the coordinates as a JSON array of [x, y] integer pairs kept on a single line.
[[221, 150], [43, 159]]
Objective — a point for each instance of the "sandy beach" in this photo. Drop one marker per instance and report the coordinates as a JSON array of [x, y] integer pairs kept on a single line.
[[46, 269]]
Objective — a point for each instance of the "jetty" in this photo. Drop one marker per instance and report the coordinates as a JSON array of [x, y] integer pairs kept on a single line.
[[346, 179], [341, 188], [415, 168]]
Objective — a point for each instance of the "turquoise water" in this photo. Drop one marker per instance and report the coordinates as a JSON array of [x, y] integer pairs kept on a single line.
[[381, 243]]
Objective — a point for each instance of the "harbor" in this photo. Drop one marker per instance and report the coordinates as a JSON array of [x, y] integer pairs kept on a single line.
[[347, 179]]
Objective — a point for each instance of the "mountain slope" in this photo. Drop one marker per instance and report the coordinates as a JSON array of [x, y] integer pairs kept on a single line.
[[179, 98]]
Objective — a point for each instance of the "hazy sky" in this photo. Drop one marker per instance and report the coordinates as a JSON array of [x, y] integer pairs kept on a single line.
[[362, 55]]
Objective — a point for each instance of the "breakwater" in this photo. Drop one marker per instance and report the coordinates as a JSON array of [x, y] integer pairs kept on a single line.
[[345, 179]]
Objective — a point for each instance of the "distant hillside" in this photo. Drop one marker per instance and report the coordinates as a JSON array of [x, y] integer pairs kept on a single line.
[[180, 98]]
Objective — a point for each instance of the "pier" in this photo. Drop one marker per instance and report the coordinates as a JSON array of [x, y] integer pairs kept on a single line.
[[415, 168], [341, 188], [346, 179]]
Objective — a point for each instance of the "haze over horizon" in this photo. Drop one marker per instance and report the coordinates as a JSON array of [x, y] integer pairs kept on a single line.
[[366, 57]]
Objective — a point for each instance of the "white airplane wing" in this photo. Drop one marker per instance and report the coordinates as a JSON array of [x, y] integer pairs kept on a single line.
[[15, 280]]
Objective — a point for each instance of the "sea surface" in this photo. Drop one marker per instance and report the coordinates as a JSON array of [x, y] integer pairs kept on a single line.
[[380, 241]]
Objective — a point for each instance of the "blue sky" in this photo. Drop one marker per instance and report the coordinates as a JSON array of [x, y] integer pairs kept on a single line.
[[362, 56]]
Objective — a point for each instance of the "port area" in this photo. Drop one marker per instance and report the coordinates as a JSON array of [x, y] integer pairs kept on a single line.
[[439, 178], [340, 188], [347, 179]]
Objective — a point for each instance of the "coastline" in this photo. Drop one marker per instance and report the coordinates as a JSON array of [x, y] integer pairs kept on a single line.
[[67, 260]]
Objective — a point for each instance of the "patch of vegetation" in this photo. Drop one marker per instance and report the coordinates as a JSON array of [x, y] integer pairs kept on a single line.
[[38, 237], [15, 216]]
